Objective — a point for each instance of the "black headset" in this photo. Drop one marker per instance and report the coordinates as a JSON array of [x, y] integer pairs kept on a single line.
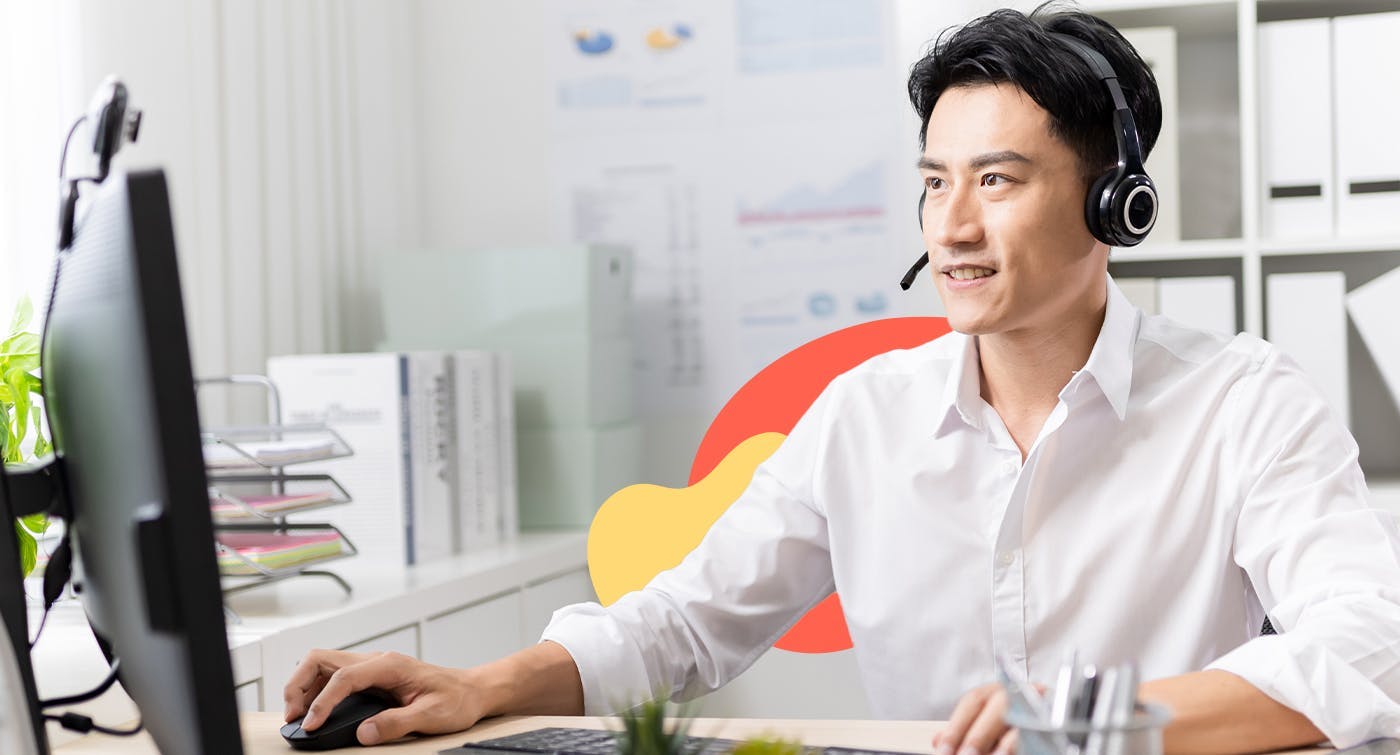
[[1121, 207]]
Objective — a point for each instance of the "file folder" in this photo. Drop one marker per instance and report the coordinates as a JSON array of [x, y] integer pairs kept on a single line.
[[1375, 308], [1206, 302], [1142, 292], [1307, 320], [1295, 125], [1157, 46], [1367, 80]]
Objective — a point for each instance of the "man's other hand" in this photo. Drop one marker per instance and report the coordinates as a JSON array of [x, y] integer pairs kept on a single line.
[[977, 726], [431, 699]]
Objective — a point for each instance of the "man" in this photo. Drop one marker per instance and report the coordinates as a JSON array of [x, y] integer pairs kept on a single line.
[[1062, 472]]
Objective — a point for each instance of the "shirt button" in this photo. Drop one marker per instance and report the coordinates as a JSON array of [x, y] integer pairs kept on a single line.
[[1006, 558], [1008, 468]]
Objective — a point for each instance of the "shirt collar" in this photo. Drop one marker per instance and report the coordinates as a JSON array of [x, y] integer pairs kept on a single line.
[[1111, 361], [1110, 365], [962, 390]]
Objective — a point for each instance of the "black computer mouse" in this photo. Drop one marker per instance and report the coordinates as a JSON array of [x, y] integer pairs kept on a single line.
[[338, 730]]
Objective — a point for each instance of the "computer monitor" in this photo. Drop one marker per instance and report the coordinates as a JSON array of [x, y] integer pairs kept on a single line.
[[21, 722], [120, 393]]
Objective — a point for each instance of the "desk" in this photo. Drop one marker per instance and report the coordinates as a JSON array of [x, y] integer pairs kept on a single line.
[[260, 734], [501, 597]]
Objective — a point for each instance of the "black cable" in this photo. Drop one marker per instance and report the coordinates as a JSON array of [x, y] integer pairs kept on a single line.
[[43, 619], [84, 724], [63, 156], [60, 561], [57, 261], [91, 694]]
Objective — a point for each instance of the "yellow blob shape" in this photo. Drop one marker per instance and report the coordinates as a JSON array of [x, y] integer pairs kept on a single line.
[[643, 530], [660, 39]]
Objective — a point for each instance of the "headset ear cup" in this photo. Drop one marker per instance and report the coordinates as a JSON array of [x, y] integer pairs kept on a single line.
[[1134, 209], [922, 197], [1098, 205]]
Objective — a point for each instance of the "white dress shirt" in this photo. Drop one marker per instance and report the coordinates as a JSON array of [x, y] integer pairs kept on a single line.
[[1185, 483]]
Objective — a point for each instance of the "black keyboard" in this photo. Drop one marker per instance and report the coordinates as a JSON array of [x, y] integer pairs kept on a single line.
[[559, 741]]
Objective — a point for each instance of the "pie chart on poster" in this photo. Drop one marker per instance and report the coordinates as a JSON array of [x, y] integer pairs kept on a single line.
[[593, 42], [643, 530], [662, 38]]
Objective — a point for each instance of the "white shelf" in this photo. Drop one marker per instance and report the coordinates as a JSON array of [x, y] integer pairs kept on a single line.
[[1197, 18], [1282, 10], [1180, 250], [1271, 248]]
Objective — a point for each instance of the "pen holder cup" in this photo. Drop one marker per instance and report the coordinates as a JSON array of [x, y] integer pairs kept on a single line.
[[1140, 736]]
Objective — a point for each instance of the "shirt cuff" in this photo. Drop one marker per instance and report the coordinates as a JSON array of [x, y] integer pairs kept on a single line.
[[1300, 674], [609, 662]]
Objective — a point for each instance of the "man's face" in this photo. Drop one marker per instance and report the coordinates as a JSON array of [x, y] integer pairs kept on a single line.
[[1005, 201]]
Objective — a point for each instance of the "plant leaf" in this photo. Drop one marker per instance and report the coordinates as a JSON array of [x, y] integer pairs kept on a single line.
[[41, 441], [28, 549], [35, 523], [18, 382], [24, 312], [20, 344]]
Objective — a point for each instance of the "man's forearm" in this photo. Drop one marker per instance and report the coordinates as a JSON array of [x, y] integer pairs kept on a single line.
[[542, 680], [1216, 711]]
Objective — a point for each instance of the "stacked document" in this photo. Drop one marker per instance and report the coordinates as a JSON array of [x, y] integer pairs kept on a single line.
[[270, 453], [271, 550], [225, 509]]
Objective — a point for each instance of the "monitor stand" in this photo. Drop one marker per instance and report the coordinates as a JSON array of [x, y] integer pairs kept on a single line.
[[16, 734]]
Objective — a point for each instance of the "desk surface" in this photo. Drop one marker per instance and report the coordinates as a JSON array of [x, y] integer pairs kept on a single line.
[[260, 734]]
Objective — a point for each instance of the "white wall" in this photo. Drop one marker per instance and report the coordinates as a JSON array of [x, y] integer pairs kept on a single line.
[[36, 69], [484, 135], [287, 131]]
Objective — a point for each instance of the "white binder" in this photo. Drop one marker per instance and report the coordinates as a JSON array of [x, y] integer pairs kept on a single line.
[[1307, 320], [1205, 302], [1157, 46], [1374, 307], [1367, 82], [1295, 129]]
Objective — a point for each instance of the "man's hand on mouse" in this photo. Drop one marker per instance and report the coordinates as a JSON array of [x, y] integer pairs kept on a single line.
[[432, 699]]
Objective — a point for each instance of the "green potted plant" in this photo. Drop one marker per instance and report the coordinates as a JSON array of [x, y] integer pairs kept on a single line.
[[771, 745], [19, 385], [651, 729], [656, 728]]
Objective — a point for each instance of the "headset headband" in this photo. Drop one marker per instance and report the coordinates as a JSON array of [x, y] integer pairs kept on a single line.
[[1125, 126]]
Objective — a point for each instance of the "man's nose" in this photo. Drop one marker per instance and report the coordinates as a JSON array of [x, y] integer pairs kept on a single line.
[[957, 220]]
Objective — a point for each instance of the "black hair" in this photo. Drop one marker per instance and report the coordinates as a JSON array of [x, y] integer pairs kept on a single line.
[[1006, 46]]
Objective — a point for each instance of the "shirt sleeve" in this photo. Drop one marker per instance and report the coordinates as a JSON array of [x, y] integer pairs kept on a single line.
[[1326, 566], [763, 564]]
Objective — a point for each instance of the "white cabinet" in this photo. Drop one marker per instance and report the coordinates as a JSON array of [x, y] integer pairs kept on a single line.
[[248, 696], [781, 684], [403, 640], [476, 634], [546, 597], [456, 612]]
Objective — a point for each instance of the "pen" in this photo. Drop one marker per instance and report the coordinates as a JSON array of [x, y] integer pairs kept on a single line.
[[1105, 698], [1026, 703], [1123, 705], [1059, 706]]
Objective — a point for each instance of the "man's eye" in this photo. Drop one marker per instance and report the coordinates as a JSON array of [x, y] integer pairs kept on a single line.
[[994, 179], [933, 182]]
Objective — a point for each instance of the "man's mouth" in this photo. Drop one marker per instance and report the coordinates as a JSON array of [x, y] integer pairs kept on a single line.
[[969, 273]]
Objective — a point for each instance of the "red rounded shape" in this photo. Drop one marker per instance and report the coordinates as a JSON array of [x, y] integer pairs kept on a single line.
[[773, 401]]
